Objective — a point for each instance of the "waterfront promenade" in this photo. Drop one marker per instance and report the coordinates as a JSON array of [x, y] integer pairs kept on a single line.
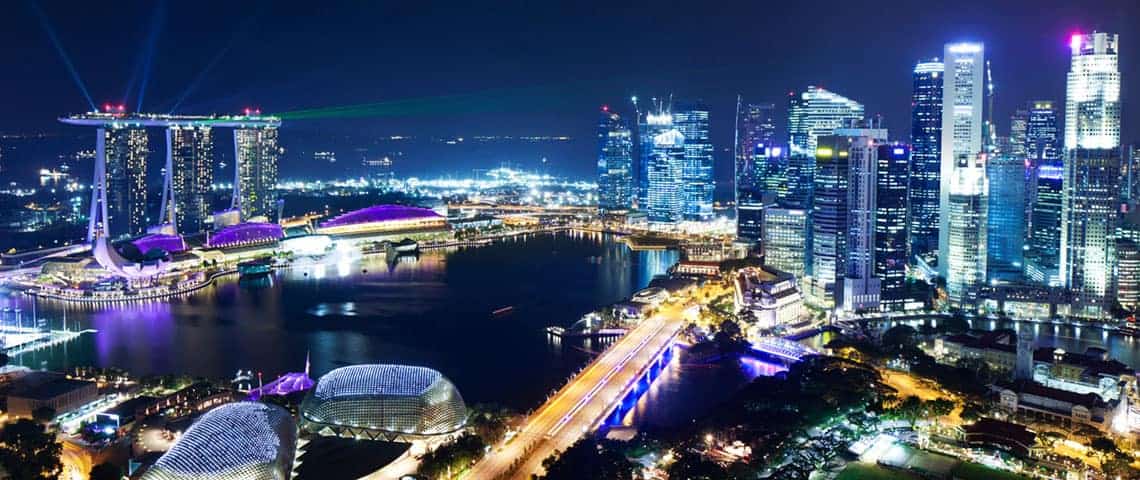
[[584, 401]]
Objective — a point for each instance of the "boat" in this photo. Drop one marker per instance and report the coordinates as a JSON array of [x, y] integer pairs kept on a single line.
[[498, 312], [1129, 328], [406, 245], [255, 268]]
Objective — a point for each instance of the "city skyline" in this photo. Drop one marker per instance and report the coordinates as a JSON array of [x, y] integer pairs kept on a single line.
[[434, 109]]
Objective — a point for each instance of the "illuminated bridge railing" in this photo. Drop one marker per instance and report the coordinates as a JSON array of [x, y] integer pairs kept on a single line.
[[782, 348]]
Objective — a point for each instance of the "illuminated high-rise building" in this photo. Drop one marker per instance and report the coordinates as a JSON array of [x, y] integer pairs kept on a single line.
[[812, 113], [126, 150], [891, 232], [926, 157], [1092, 93], [1128, 274], [255, 179], [1018, 133], [1090, 206], [1006, 216], [615, 163], [842, 221], [692, 120], [665, 194], [650, 124], [192, 158], [755, 126], [759, 193], [1043, 229], [967, 211], [785, 234], [962, 103]]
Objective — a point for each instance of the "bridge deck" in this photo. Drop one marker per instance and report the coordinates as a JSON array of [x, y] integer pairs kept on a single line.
[[582, 402]]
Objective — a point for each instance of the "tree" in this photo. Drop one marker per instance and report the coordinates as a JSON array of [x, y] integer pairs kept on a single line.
[[29, 452], [106, 471], [588, 458], [910, 409], [939, 407], [44, 414], [691, 465], [899, 337]]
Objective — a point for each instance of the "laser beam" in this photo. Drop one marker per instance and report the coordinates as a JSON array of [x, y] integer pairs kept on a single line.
[[62, 53]]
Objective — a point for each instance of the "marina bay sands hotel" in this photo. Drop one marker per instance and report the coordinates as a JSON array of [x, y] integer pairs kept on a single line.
[[119, 189]]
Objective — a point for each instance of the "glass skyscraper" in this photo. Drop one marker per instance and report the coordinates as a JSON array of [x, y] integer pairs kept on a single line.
[[962, 101], [813, 113], [785, 234], [256, 171], [1043, 156], [1092, 93], [615, 163], [651, 124], [665, 193], [692, 120], [1090, 198], [891, 225], [925, 160], [967, 233], [192, 153], [126, 150], [755, 134], [1006, 218]]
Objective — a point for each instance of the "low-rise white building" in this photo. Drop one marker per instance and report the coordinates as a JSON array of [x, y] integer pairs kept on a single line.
[[772, 296]]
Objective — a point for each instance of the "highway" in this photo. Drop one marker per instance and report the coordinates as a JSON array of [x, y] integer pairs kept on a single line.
[[583, 401]]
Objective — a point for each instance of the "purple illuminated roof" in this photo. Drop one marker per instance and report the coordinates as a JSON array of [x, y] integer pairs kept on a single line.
[[161, 241], [380, 213], [246, 233], [284, 385]]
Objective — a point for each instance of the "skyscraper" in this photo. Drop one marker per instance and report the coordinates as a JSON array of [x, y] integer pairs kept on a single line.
[[967, 233], [692, 120], [811, 114], [256, 171], [1092, 93], [1128, 274], [891, 225], [666, 158], [1018, 131], [653, 123], [785, 234], [962, 102], [1090, 198], [860, 287], [1090, 205], [755, 126], [759, 192], [615, 163], [1043, 156], [126, 180], [192, 153], [1006, 218], [925, 163]]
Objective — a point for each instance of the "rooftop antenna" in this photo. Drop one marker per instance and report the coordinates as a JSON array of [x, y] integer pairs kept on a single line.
[[306, 363]]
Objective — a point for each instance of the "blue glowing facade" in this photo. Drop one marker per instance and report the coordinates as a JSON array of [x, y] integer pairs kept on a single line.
[[615, 163], [1006, 219], [692, 120], [926, 157]]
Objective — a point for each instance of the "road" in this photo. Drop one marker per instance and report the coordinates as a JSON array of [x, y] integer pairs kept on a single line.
[[583, 401]]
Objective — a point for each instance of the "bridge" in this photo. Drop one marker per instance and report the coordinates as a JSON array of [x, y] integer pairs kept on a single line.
[[782, 349], [586, 400]]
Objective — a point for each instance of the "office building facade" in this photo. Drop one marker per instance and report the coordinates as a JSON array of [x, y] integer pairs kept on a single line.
[[192, 154], [256, 172], [962, 101], [926, 157], [812, 113], [785, 236], [126, 150], [665, 196], [1090, 206], [692, 120], [615, 164], [1006, 218], [891, 226], [1092, 93]]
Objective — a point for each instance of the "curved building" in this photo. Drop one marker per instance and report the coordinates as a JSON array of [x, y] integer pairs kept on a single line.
[[383, 402], [245, 234], [383, 219], [234, 441]]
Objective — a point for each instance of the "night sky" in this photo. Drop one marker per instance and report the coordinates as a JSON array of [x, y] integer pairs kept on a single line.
[[525, 68]]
